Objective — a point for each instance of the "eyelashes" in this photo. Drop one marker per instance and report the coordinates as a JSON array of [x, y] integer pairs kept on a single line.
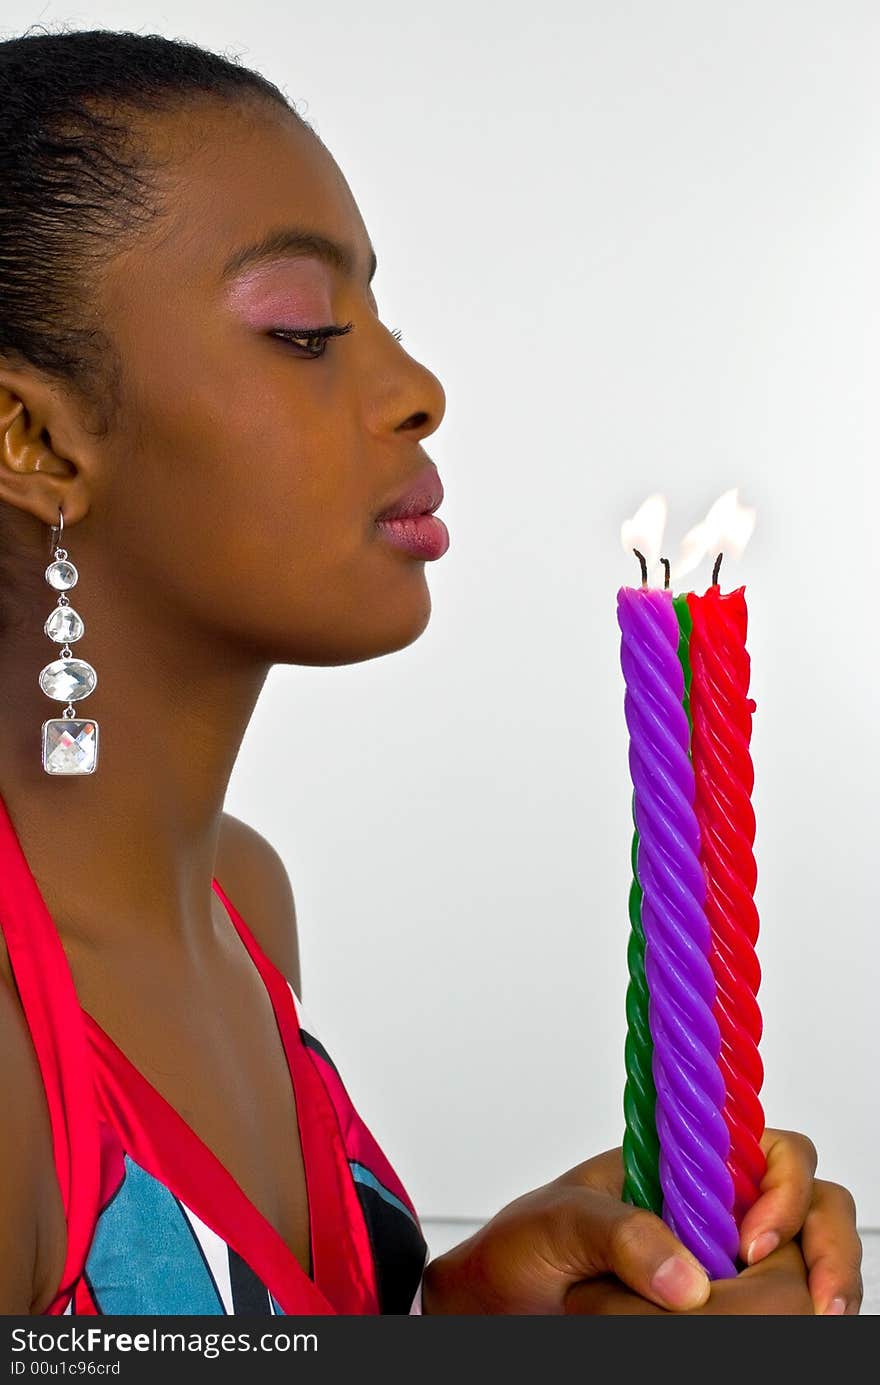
[[320, 337]]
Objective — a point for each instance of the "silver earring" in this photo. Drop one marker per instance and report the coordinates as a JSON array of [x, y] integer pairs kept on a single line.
[[70, 745]]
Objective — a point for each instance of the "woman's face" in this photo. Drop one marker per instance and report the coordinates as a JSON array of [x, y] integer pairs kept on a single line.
[[246, 475]]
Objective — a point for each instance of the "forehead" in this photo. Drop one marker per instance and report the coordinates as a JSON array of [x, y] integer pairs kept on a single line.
[[226, 177]]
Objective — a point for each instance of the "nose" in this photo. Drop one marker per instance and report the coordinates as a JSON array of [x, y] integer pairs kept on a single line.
[[421, 401]]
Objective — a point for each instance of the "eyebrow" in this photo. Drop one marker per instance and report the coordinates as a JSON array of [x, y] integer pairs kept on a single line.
[[294, 242]]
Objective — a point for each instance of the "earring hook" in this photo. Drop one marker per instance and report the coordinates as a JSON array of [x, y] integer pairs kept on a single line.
[[57, 528]]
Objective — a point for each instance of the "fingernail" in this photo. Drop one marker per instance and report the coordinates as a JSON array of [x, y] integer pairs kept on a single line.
[[681, 1283], [837, 1305], [762, 1245]]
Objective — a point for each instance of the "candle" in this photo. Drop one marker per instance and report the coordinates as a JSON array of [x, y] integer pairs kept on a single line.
[[641, 1148], [685, 622], [694, 1141], [722, 728]]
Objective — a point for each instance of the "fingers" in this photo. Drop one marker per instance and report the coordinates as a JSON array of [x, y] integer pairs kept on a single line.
[[777, 1286], [601, 1235], [786, 1194], [607, 1296], [833, 1250]]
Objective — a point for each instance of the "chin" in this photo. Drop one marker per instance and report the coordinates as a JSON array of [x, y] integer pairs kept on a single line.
[[371, 639]]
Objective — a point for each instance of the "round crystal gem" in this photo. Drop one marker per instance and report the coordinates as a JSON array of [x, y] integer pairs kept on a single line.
[[61, 574], [68, 679], [64, 624]]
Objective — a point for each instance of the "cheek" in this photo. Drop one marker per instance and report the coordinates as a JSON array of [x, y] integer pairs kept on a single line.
[[289, 475], [256, 509], [266, 506]]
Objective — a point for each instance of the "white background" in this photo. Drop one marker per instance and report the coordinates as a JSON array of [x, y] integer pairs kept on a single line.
[[640, 246]]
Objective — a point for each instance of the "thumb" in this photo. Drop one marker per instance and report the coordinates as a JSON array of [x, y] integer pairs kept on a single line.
[[634, 1244]]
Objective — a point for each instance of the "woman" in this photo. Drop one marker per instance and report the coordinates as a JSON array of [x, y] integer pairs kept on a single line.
[[178, 253]]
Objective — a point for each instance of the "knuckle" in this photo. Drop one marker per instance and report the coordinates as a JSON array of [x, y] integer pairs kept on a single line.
[[843, 1197], [810, 1151], [796, 1140], [848, 1203], [631, 1234], [858, 1290]]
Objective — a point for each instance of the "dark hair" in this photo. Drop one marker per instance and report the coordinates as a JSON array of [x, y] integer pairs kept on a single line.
[[74, 179]]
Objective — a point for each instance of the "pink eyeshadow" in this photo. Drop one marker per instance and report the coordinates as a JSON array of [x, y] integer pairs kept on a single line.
[[295, 292]]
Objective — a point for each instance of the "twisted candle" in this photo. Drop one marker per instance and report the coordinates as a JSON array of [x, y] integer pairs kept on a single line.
[[641, 1148], [694, 1141], [722, 717], [683, 616]]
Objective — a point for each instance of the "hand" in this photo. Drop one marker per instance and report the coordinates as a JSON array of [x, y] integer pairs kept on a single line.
[[776, 1285], [574, 1228], [792, 1202], [526, 1259]]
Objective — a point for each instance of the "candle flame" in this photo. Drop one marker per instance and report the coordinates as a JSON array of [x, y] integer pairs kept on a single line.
[[733, 523], [692, 550], [727, 528], [645, 530]]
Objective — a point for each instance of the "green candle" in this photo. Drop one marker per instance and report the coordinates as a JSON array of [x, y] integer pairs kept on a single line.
[[641, 1149], [685, 623]]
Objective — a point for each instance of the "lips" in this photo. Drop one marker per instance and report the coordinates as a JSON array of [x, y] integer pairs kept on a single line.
[[421, 497]]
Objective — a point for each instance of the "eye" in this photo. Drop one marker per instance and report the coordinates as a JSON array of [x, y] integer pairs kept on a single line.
[[315, 337]]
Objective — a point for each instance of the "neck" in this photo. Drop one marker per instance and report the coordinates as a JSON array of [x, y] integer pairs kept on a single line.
[[132, 846]]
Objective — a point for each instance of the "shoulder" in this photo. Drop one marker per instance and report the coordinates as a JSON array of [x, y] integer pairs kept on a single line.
[[254, 876]]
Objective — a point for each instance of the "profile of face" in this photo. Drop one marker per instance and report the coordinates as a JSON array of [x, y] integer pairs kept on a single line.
[[239, 489]]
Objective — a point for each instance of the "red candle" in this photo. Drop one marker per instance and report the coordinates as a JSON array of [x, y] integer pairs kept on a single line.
[[721, 711]]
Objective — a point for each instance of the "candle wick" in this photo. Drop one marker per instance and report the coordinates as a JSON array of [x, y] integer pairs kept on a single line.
[[644, 566], [666, 565], [716, 569]]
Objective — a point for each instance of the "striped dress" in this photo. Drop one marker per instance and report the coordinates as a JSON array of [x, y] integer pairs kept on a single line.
[[155, 1222]]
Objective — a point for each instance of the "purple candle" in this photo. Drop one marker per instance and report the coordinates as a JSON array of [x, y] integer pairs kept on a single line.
[[694, 1140]]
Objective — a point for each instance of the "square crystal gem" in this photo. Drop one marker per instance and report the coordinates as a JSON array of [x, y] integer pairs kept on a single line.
[[70, 746]]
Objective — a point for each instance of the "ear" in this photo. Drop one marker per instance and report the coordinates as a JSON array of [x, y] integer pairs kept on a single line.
[[38, 474]]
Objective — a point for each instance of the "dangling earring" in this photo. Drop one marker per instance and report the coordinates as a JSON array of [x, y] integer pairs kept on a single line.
[[70, 746]]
